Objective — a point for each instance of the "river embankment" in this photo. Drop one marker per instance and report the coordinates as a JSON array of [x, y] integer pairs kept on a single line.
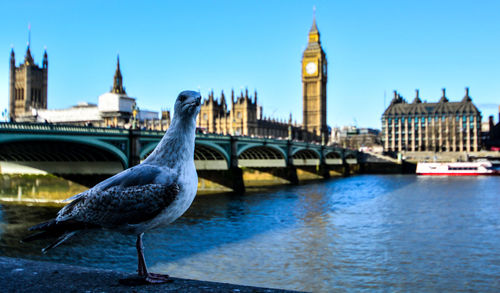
[[20, 275]]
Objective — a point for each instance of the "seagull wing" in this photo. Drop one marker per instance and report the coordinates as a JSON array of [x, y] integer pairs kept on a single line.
[[118, 206], [132, 196]]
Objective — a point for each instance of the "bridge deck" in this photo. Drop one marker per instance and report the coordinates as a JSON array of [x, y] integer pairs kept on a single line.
[[33, 145]]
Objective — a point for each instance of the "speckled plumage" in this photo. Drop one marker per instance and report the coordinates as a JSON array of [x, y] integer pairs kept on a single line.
[[153, 193], [132, 206]]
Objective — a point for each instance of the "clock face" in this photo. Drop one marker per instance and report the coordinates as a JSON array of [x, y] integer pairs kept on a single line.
[[311, 68]]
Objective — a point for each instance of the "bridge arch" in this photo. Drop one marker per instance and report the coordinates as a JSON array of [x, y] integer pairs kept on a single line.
[[305, 157], [350, 155], [41, 154], [261, 156], [333, 158], [214, 147], [147, 149], [265, 146], [207, 156], [351, 158], [333, 155]]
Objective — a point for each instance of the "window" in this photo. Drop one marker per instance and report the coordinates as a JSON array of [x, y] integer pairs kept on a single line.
[[205, 117], [471, 118], [238, 115]]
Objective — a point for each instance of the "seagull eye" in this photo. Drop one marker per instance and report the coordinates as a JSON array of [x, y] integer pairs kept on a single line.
[[182, 98]]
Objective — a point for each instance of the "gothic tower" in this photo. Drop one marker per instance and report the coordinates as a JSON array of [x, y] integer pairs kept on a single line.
[[314, 75], [27, 85], [118, 79]]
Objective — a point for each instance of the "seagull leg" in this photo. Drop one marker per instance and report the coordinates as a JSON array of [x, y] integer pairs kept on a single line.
[[144, 276], [141, 262], [142, 268]]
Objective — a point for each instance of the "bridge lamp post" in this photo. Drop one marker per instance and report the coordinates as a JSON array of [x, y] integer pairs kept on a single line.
[[134, 117]]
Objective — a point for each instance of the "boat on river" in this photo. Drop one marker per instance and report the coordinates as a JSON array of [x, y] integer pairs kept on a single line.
[[459, 168]]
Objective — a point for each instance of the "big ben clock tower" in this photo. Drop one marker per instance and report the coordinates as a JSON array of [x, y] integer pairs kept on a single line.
[[314, 73]]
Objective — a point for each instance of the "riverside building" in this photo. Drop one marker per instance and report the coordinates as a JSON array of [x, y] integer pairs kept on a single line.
[[27, 85], [244, 118], [420, 126], [114, 109]]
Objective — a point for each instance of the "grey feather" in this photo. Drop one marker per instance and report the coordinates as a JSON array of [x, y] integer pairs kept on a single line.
[[59, 240], [139, 175], [118, 206]]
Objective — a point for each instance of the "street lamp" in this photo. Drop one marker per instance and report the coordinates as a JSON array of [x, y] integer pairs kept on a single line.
[[135, 111]]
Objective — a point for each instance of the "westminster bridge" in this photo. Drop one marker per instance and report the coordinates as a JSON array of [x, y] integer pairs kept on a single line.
[[79, 152]]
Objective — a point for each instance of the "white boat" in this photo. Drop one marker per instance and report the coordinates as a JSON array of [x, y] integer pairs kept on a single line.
[[458, 169]]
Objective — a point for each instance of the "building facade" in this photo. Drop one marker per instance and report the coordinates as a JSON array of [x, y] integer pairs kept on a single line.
[[27, 85], [314, 77], [443, 126], [356, 138], [243, 118]]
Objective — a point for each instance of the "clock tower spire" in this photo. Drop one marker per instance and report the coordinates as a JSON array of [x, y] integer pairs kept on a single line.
[[314, 77]]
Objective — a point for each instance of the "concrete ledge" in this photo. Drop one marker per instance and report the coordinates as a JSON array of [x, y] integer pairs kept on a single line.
[[19, 275]]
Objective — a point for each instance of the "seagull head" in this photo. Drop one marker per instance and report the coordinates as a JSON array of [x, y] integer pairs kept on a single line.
[[188, 104]]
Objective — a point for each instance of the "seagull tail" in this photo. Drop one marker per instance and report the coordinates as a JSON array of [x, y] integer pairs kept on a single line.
[[47, 229], [51, 229], [59, 240]]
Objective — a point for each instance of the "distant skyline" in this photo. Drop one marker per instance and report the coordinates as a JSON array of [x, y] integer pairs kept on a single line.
[[372, 47]]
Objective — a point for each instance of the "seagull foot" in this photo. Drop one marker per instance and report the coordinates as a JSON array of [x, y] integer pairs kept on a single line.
[[150, 278], [153, 278]]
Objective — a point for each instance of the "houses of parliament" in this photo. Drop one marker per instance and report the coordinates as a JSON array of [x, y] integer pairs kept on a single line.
[[28, 103], [245, 116]]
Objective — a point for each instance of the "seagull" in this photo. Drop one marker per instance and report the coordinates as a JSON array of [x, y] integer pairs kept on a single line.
[[152, 194]]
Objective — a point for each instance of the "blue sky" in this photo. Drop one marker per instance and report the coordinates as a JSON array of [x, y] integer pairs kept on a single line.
[[372, 47]]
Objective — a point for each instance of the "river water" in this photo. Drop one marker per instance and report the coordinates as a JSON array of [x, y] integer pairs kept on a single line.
[[366, 232]]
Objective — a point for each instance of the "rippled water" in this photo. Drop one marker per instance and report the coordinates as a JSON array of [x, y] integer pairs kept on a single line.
[[374, 233]]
